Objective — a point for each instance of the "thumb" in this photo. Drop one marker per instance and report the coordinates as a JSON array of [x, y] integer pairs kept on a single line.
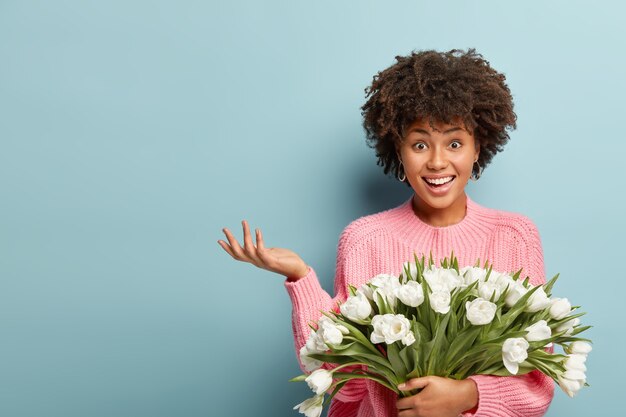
[[414, 383]]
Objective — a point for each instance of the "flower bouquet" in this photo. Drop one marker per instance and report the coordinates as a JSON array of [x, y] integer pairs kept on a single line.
[[443, 321]]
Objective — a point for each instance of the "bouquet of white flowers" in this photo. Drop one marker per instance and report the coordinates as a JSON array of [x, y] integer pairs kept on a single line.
[[443, 321]]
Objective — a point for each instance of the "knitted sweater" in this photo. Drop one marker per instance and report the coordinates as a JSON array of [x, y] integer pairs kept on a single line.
[[380, 243]]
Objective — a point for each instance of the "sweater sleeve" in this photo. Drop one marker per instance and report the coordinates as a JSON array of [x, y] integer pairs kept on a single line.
[[526, 395], [309, 300]]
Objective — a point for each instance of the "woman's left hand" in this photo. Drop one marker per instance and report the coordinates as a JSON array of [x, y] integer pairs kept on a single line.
[[439, 397]]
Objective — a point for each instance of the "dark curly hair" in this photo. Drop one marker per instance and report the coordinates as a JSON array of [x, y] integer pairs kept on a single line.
[[440, 87]]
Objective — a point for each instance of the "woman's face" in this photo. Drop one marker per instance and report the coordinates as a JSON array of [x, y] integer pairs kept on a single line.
[[438, 163]]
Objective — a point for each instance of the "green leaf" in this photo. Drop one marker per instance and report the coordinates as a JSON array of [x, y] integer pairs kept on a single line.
[[393, 354], [517, 274], [439, 347], [462, 343], [352, 289], [556, 323], [383, 306], [360, 337], [367, 375], [563, 340], [510, 316], [406, 355], [422, 332], [299, 378], [500, 370], [336, 358], [548, 286], [358, 355], [580, 329], [453, 325], [338, 386], [476, 353]]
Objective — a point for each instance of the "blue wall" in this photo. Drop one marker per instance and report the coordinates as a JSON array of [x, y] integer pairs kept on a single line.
[[131, 132]]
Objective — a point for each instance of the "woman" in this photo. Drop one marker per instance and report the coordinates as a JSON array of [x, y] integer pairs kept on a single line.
[[436, 120]]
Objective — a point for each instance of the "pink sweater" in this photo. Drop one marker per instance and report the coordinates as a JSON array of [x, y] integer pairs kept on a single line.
[[380, 243]]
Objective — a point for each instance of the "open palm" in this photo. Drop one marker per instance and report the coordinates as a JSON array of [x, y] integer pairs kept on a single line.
[[279, 260]]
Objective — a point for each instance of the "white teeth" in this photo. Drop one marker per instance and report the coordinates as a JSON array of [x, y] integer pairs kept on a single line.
[[438, 181]]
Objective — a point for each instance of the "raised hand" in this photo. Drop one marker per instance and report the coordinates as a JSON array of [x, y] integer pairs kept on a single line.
[[279, 260]]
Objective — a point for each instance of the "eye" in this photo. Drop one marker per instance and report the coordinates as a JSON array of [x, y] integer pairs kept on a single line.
[[455, 144], [420, 146]]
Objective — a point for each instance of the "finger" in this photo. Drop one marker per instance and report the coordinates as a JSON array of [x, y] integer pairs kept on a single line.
[[408, 405], [414, 383], [227, 248], [247, 239], [248, 246], [260, 244], [405, 413], [234, 245], [261, 250], [404, 404]]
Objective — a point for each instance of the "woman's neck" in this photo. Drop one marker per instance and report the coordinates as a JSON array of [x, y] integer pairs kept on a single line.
[[435, 217]]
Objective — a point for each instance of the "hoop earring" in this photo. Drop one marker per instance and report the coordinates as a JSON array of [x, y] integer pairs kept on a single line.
[[403, 173], [476, 173]]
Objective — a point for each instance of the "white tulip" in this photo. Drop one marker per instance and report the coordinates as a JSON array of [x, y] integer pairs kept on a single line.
[[570, 386], [471, 274], [538, 331], [315, 343], [580, 347], [386, 281], [411, 294], [440, 301], [514, 293], [331, 332], [311, 407], [442, 279], [309, 363], [487, 289], [571, 381], [503, 281], [319, 381], [560, 308], [568, 326], [538, 301], [408, 339], [480, 311], [390, 328], [357, 308], [575, 362], [385, 285], [514, 352], [367, 290]]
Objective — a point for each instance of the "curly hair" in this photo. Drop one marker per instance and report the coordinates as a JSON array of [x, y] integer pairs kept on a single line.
[[439, 87]]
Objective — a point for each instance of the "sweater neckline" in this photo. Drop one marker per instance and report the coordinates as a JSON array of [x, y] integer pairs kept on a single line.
[[415, 221]]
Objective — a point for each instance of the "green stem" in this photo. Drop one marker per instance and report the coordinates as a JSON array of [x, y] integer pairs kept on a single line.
[[341, 376]]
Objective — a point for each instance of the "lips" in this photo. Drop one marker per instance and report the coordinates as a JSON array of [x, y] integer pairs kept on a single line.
[[439, 185], [437, 181]]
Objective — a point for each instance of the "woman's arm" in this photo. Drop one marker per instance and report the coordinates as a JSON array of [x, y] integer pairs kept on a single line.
[[309, 299], [307, 296]]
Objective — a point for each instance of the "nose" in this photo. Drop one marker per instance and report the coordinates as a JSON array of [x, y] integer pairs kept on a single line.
[[437, 160]]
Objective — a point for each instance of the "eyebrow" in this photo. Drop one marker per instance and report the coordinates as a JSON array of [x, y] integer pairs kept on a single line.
[[426, 132]]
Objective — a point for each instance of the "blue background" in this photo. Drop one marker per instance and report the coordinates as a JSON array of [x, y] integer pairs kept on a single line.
[[131, 132]]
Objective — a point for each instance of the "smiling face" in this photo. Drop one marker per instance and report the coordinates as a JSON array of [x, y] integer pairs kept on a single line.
[[438, 162]]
